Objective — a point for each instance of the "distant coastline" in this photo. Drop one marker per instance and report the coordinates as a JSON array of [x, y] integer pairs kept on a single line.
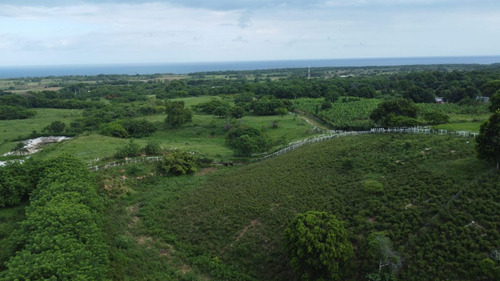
[[184, 68]]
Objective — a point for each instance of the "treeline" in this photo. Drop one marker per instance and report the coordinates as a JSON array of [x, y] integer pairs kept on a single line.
[[47, 99], [61, 238], [420, 86]]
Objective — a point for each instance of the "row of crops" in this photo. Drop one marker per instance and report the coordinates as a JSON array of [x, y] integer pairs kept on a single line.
[[342, 114], [349, 113]]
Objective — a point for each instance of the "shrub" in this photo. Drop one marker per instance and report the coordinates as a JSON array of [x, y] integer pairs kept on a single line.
[[246, 140], [387, 112], [436, 118], [373, 186], [152, 148], [15, 112], [138, 128], [318, 246], [114, 129], [178, 163], [129, 150], [55, 127]]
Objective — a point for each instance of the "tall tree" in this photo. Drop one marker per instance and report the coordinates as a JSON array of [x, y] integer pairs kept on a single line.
[[177, 114], [495, 101], [488, 140], [318, 246], [390, 111]]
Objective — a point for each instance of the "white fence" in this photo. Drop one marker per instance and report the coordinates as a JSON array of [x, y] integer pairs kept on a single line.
[[336, 134], [127, 161]]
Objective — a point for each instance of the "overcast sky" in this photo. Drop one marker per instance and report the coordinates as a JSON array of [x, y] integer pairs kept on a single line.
[[54, 32]]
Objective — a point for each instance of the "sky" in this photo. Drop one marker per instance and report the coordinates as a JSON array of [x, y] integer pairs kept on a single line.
[[56, 32]]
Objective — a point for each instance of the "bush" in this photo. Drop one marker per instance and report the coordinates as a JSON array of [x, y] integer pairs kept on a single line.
[[152, 148], [177, 114], [15, 112], [389, 113], [373, 186], [246, 140], [138, 128], [55, 127], [131, 149], [436, 118], [318, 246], [178, 163], [114, 129], [400, 121]]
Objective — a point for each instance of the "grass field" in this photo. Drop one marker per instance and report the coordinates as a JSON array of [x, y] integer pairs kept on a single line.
[[464, 122], [12, 129], [205, 135]]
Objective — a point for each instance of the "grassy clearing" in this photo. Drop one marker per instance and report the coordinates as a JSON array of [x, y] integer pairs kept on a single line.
[[205, 135], [190, 101], [464, 122], [462, 126], [11, 129]]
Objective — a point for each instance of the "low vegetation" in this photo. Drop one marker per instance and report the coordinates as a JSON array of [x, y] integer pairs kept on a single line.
[[434, 200], [369, 207]]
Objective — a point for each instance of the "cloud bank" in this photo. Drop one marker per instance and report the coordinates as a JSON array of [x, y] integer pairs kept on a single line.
[[112, 31]]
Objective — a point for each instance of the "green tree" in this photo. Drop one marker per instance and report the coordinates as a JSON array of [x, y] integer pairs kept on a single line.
[[495, 101], [15, 112], [488, 140], [281, 111], [222, 111], [392, 109], [247, 140], [152, 148], [380, 249], [318, 246], [237, 111], [138, 128], [436, 118], [128, 150], [490, 87], [113, 129], [419, 95], [178, 163], [55, 127], [177, 114]]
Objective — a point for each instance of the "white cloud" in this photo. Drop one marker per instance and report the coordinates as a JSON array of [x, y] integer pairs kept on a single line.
[[161, 32]]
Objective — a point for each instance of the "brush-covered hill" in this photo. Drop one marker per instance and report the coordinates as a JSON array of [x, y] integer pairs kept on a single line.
[[437, 203]]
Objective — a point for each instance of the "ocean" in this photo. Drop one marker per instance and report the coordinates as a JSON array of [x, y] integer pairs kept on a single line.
[[184, 68]]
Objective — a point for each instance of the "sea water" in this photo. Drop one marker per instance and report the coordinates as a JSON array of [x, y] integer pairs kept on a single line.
[[184, 68]]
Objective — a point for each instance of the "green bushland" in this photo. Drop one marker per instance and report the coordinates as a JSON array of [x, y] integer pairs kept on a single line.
[[60, 238], [10, 217], [154, 254], [438, 206]]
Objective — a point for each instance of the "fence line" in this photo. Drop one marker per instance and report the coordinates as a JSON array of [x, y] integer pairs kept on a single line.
[[291, 146], [336, 134], [127, 161]]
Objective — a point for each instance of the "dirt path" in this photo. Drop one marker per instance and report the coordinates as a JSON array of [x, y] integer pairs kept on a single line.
[[310, 120]]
